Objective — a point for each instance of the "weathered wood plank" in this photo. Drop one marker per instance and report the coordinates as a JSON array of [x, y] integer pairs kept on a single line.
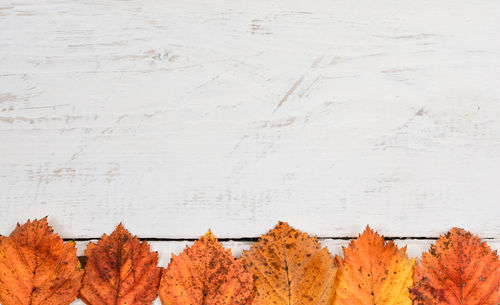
[[176, 116]]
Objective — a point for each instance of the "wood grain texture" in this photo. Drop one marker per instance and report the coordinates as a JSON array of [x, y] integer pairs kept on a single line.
[[177, 116]]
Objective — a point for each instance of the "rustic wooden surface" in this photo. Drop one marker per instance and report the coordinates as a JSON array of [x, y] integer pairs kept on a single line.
[[177, 116]]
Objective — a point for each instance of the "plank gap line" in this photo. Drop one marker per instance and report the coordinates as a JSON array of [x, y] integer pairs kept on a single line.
[[252, 239]]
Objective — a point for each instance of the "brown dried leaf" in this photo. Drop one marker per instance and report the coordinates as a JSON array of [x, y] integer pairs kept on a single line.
[[120, 270], [206, 274], [290, 268]]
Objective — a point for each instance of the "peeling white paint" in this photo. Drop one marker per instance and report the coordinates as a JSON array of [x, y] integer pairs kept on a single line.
[[177, 116]]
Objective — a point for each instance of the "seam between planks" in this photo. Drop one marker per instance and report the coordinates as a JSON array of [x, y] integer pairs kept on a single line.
[[253, 239]]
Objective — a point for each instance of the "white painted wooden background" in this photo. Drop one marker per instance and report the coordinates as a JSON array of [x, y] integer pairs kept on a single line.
[[177, 116]]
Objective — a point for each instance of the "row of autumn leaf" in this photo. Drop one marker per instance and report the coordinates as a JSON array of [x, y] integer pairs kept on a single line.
[[285, 267]]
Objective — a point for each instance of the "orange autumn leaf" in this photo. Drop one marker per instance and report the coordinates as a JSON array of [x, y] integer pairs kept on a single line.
[[290, 268], [120, 270], [37, 267], [206, 274], [374, 272], [458, 270]]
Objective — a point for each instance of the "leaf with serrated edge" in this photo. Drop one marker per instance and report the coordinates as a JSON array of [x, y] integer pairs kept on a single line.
[[290, 268], [120, 270], [459, 269], [206, 274], [37, 267], [374, 272]]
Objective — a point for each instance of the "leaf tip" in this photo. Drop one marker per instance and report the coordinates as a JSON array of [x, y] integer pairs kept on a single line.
[[368, 230], [283, 225], [209, 234], [121, 230]]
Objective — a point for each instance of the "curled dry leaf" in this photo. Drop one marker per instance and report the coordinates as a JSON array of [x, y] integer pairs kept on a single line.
[[458, 270], [120, 270], [206, 274], [374, 272], [290, 268], [37, 267]]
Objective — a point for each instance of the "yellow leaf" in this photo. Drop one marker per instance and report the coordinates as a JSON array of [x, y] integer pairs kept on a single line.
[[374, 272]]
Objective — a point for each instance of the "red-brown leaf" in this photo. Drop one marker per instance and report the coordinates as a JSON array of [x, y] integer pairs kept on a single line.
[[458, 270], [120, 270]]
